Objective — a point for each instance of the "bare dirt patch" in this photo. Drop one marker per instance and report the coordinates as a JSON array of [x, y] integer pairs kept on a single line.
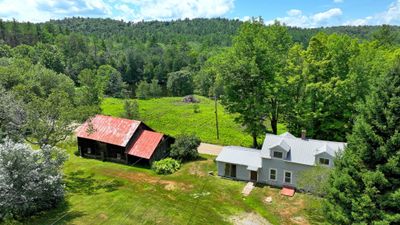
[[145, 178], [299, 220], [248, 219], [103, 216], [288, 208]]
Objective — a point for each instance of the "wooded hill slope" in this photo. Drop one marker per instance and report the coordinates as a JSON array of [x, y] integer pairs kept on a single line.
[[217, 31]]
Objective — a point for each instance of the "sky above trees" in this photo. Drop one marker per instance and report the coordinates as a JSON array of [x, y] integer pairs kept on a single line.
[[302, 13]]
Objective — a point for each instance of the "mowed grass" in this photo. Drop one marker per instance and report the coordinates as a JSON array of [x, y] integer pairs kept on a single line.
[[172, 116], [109, 193]]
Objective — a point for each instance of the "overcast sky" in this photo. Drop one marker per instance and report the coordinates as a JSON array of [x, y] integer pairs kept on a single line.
[[303, 13]]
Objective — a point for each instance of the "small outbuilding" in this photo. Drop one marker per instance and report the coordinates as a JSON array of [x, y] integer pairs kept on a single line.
[[121, 140]]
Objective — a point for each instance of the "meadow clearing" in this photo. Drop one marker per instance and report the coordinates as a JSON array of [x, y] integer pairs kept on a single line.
[[172, 116]]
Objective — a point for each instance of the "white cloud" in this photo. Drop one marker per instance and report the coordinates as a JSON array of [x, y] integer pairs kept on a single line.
[[42, 10], [175, 9], [322, 16], [246, 18], [297, 18], [390, 16], [294, 12], [337, 1]]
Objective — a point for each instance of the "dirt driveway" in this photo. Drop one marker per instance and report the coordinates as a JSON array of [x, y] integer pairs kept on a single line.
[[209, 149]]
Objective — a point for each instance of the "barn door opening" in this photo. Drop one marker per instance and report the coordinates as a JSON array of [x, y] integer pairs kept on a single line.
[[230, 170], [233, 170], [253, 175]]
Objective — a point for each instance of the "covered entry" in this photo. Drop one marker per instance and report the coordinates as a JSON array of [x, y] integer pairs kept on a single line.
[[253, 173], [230, 170], [239, 163]]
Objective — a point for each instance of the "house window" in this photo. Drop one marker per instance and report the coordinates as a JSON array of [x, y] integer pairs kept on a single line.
[[272, 174], [278, 155], [89, 150], [288, 177], [118, 156], [324, 161]]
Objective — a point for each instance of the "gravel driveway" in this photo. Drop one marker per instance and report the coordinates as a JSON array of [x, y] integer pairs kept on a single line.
[[209, 149]]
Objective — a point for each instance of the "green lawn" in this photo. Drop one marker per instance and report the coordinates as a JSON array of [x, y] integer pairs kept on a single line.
[[109, 193], [172, 116]]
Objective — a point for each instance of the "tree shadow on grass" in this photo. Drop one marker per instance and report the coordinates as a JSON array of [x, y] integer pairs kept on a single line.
[[81, 183], [61, 214], [200, 158]]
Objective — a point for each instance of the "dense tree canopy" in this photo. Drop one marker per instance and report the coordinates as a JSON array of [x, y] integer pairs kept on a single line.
[[365, 186]]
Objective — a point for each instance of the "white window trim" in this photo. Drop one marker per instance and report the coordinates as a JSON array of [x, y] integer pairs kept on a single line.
[[276, 174], [273, 156], [319, 161], [284, 176]]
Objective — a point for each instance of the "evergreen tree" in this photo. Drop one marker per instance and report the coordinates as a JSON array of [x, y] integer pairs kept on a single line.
[[365, 184]]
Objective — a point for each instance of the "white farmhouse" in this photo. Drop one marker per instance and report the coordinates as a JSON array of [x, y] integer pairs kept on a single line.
[[280, 160]]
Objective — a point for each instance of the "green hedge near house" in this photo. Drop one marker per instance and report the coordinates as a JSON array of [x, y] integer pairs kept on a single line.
[[173, 117]]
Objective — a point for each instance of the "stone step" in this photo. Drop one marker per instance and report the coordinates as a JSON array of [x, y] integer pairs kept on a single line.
[[248, 188]]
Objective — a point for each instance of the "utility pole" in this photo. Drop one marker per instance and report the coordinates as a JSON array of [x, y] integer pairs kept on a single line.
[[216, 116]]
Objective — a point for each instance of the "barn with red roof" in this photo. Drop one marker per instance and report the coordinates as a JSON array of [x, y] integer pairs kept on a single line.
[[121, 140]]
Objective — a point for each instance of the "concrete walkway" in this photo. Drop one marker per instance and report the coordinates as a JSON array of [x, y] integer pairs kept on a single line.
[[209, 149], [248, 188]]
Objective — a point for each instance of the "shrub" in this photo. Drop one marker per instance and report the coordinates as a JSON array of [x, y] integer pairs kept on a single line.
[[30, 180], [185, 147], [196, 108], [166, 166]]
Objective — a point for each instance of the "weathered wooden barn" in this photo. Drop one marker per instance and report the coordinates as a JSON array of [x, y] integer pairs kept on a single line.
[[121, 140]]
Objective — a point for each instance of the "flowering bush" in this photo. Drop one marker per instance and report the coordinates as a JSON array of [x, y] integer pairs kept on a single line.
[[30, 180]]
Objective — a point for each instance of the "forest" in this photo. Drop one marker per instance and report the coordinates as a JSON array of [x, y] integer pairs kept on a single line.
[[315, 81], [328, 81]]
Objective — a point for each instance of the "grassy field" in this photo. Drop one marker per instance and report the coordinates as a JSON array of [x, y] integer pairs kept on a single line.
[[172, 116], [109, 193]]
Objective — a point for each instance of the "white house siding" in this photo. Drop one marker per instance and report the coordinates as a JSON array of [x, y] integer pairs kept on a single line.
[[221, 168], [280, 166], [241, 171]]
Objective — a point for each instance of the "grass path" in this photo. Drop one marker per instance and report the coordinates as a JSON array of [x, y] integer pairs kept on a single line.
[[172, 116]]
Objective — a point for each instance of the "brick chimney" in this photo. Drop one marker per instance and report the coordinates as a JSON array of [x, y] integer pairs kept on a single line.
[[303, 134]]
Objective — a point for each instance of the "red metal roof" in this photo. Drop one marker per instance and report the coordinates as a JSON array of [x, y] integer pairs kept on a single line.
[[145, 145], [107, 129]]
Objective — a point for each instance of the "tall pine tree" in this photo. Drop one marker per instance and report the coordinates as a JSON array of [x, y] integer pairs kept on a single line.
[[364, 186]]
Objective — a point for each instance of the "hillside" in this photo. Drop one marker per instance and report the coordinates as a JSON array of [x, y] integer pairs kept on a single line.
[[171, 116], [211, 32], [199, 30]]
